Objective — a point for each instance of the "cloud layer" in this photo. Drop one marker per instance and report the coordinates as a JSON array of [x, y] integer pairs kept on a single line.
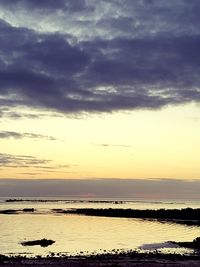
[[18, 161], [31, 165], [102, 188], [99, 56], [18, 135]]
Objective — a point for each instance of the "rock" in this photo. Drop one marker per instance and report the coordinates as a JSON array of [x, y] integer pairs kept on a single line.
[[28, 210], [8, 211], [42, 242], [195, 244]]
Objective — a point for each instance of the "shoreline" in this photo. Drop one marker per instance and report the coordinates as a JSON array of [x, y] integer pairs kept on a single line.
[[132, 259], [156, 258]]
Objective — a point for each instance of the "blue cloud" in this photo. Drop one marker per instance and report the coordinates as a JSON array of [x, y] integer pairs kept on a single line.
[[147, 58]]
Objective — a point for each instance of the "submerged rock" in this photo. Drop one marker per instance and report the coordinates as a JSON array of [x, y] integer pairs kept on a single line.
[[12, 211], [42, 242], [28, 210], [9, 211]]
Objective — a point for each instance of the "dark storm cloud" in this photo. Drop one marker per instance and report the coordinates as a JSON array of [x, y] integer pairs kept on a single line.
[[53, 5], [148, 57], [17, 135], [105, 188]]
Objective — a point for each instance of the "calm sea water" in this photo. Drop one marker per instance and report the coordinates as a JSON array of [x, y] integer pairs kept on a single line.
[[75, 234]]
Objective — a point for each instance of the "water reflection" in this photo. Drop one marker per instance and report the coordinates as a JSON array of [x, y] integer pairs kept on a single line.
[[74, 234]]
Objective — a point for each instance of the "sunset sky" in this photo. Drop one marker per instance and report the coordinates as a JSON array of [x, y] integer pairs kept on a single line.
[[100, 89]]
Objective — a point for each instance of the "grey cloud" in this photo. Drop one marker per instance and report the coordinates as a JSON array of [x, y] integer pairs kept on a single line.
[[20, 161], [7, 134], [153, 63], [17, 135], [112, 145], [69, 5], [6, 112], [116, 188]]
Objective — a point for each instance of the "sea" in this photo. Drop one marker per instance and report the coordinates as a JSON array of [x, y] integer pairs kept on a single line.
[[88, 235]]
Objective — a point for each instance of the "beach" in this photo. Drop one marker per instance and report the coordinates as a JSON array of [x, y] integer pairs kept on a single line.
[[94, 233], [99, 136], [124, 260]]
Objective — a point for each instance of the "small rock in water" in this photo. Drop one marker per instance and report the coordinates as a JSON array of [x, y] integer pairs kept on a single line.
[[8, 211], [28, 210], [42, 242]]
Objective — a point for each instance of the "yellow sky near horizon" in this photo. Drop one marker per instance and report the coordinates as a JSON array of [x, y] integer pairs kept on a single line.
[[137, 144]]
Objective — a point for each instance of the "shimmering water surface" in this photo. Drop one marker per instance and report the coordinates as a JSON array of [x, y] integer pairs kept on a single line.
[[75, 234]]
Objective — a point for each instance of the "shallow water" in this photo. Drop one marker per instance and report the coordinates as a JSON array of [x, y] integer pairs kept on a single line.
[[75, 234]]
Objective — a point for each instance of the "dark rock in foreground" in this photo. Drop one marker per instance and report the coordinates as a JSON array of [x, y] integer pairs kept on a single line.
[[42, 242], [132, 259]]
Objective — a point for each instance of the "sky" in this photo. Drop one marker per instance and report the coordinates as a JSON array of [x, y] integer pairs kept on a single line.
[[95, 89]]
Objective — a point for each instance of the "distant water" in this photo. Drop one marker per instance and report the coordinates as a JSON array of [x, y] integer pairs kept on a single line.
[[75, 234]]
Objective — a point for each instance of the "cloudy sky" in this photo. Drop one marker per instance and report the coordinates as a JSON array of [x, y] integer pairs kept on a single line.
[[99, 89]]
